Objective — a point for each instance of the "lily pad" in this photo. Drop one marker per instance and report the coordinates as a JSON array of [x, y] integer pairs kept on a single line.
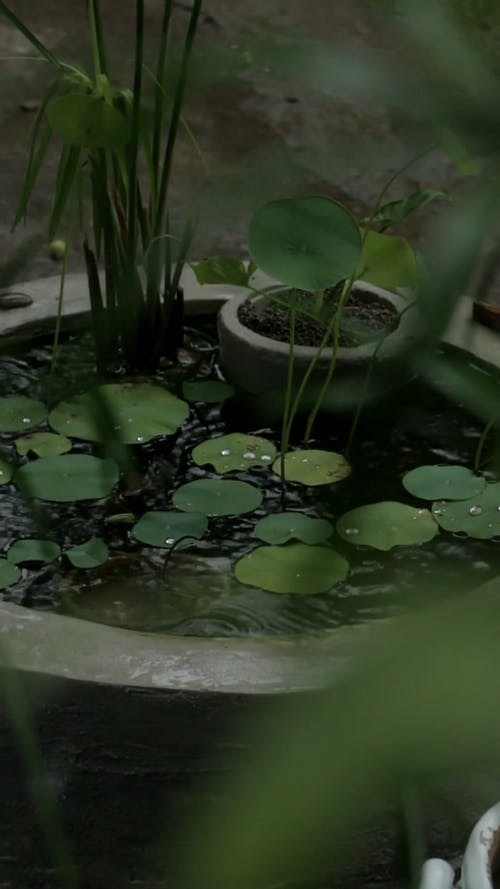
[[90, 554], [234, 451], [443, 483], [209, 391], [478, 517], [312, 467], [43, 444], [284, 526], [310, 242], [166, 528], [69, 477], [217, 497], [17, 413], [9, 574], [6, 472], [31, 550], [387, 524], [297, 568], [141, 412]]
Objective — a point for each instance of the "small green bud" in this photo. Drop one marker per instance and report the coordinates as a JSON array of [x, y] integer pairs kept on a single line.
[[58, 249]]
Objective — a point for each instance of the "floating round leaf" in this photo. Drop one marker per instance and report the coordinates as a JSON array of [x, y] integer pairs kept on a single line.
[[284, 526], [387, 524], [43, 444], [140, 412], [69, 477], [296, 568], [166, 528], [31, 550], [312, 467], [443, 483], [310, 242], [234, 451], [6, 472], [213, 496], [209, 391], [90, 554], [478, 517], [17, 412], [9, 574]]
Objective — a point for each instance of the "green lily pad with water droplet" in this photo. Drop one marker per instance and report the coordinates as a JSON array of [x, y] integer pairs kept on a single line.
[[209, 391], [217, 497], [32, 550], [90, 554], [9, 574], [443, 483], [166, 528], [17, 412], [43, 444], [284, 526], [311, 467], [6, 472], [234, 451], [387, 524], [68, 477], [296, 569], [140, 412], [477, 517]]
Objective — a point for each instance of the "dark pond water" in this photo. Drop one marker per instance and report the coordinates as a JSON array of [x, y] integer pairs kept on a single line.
[[193, 592]]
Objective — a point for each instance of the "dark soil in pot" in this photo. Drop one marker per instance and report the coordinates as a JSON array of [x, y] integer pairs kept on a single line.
[[366, 317], [193, 591]]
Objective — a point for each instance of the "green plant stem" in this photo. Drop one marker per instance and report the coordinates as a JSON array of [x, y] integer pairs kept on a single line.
[[411, 812], [482, 441], [60, 301], [97, 39], [136, 122], [159, 100], [286, 424], [33, 39]]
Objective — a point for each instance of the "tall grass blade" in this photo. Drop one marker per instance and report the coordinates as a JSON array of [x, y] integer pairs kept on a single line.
[[98, 42], [66, 178], [33, 39], [136, 125], [36, 155]]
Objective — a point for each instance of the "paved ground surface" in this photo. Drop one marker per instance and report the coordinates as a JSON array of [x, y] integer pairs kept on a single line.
[[261, 137]]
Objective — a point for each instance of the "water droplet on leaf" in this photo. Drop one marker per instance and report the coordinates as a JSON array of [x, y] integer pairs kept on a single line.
[[475, 510]]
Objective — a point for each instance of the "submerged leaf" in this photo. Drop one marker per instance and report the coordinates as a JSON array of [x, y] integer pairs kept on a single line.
[[6, 472], [479, 516], [284, 526], [31, 550], [141, 411], [43, 444], [90, 554], [295, 568], [9, 574], [17, 412], [443, 483], [214, 497], [209, 391], [166, 528], [311, 467], [66, 478], [234, 451], [387, 524]]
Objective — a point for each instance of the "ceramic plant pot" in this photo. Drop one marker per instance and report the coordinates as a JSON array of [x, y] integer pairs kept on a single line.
[[481, 858], [258, 364]]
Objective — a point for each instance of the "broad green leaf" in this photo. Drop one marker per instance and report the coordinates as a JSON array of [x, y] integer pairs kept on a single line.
[[142, 412], [311, 467], [66, 478], [214, 497], [32, 550], [120, 518], [166, 528], [284, 526], [209, 391], [9, 574], [388, 261], [234, 451], [396, 211], [17, 413], [387, 524], [6, 471], [296, 568], [310, 243], [88, 121], [43, 444], [221, 270], [443, 483], [90, 554], [478, 516]]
